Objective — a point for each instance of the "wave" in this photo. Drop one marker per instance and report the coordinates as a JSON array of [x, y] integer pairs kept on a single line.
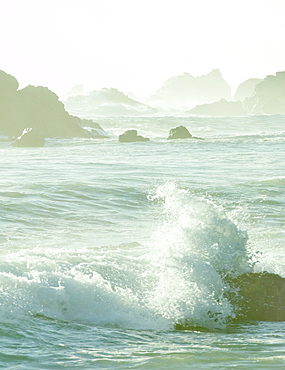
[[183, 277], [196, 247], [278, 181]]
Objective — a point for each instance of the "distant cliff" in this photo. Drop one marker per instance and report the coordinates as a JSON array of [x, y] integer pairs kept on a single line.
[[269, 96], [220, 108], [186, 90], [106, 102], [37, 108], [246, 89], [254, 96]]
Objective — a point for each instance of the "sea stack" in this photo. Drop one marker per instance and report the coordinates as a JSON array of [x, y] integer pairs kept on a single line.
[[130, 136], [179, 132]]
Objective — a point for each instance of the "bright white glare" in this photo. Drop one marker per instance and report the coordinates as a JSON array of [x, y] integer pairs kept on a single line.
[[137, 45]]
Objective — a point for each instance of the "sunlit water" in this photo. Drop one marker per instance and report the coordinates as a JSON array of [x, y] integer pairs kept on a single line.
[[105, 246]]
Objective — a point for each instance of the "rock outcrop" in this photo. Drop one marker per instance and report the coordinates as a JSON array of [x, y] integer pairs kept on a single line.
[[37, 108], [259, 296], [179, 132], [219, 109], [131, 136], [254, 297]]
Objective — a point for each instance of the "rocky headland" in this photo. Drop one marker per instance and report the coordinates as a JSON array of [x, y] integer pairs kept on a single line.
[[39, 109]]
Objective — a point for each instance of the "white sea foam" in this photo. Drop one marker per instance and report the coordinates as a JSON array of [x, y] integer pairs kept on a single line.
[[194, 248]]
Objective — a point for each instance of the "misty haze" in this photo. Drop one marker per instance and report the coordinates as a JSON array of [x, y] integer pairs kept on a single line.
[[142, 184]]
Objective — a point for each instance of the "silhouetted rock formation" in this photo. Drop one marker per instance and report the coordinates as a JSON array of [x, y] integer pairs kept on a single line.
[[30, 138], [37, 108], [220, 108], [179, 132], [269, 96], [187, 91], [107, 102], [246, 89], [131, 136]]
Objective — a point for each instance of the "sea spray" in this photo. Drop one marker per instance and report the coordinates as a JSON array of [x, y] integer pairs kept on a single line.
[[195, 247]]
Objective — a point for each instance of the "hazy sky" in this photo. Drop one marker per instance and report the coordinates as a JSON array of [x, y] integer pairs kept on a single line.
[[136, 45]]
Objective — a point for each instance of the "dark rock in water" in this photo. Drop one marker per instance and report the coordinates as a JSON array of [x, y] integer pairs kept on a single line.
[[259, 296], [131, 136], [179, 132], [30, 138], [254, 297]]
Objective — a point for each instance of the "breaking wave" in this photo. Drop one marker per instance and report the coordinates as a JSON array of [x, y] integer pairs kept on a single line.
[[178, 279]]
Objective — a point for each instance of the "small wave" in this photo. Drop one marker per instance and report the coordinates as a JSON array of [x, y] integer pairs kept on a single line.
[[278, 181]]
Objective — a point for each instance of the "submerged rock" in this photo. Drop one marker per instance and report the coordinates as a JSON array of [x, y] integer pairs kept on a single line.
[[30, 138], [131, 136]]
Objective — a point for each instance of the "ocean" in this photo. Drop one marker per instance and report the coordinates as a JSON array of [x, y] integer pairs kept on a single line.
[[107, 246]]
